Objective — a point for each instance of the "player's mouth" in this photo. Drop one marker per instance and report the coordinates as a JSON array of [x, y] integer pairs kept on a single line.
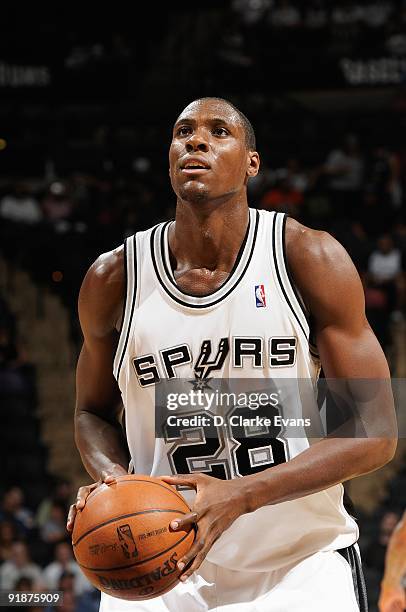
[[194, 165]]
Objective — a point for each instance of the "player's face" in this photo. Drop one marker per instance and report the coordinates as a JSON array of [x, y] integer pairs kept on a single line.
[[208, 157]]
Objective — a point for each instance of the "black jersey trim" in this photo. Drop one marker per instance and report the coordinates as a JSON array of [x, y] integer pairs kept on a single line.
[[120, 331], [233, 269], [231, 289], [125, 289], [163, 254], [285, 259], [279, 275], [134, 296], [312, 345]]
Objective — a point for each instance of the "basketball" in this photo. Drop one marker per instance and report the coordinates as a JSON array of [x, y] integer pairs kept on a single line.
[[122, 539]]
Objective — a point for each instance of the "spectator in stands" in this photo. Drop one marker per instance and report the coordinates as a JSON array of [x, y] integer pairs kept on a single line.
[[283, 197], [13, 364], [356, 241], [344, 169], [374, 555], [8, 535], [8, 349], [26, 585], [385, 273], [68, 603], [383, 290], [256, 187], [54, 528], [297, 178], [383, 176], [251, 13], [64, 562], [316, 14], [383, 186], [7, 319], [399, 237], [69, 600], [89, 601], [20, 206], [18, 566], [58, 206], [61, 493], [374, 218], [345, 14], [284, 15], [13, 510]]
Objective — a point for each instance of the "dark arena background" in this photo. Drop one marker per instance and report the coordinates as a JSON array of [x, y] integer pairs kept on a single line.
[[88, 97]]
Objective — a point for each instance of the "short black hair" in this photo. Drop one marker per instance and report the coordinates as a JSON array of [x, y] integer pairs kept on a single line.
[[250, 139]]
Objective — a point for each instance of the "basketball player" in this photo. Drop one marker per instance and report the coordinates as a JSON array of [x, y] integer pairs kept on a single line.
[[393, 595], [226, 291]]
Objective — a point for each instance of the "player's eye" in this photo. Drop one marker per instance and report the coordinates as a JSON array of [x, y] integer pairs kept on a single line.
[[220, 131], [183, 130]]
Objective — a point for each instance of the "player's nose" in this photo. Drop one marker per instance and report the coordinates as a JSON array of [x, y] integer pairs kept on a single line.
[[196, 142]]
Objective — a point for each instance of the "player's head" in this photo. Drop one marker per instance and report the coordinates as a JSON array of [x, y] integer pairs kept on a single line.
[[212, 153]]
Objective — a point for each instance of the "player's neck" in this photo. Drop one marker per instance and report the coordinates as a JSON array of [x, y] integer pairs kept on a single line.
[[204, 237]]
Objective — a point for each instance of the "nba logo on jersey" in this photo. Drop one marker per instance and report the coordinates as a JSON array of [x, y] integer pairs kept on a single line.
[[260, 296]]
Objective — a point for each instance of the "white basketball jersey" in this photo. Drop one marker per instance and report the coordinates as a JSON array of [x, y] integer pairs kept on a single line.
[[253, 327]]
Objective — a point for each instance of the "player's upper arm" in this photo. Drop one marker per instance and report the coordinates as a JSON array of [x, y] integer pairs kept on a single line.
[[332, 290], [100, 308]]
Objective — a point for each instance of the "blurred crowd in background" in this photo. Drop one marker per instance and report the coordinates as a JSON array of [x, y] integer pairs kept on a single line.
[[36, 552]]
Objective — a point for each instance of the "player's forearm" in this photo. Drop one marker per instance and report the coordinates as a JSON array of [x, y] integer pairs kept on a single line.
[[395, 563], [326, 463], [100, 444]]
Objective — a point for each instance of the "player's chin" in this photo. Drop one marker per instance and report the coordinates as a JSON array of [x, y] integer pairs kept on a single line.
[[194, 192]]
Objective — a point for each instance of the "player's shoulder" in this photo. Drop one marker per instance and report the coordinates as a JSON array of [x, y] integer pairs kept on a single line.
[[309, 247], [107, 272], [321, 269], [102, 292], [107, 269]]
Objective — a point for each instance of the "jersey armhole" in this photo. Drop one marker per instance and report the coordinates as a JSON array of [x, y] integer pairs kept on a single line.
[[285, 280], [130, 270], [120, 327], [299, 300], [312, 341]]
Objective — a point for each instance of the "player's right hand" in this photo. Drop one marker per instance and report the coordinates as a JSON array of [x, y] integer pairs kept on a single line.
[[83, 493]]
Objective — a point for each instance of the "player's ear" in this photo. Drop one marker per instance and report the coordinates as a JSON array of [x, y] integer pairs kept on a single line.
[[253, 163]]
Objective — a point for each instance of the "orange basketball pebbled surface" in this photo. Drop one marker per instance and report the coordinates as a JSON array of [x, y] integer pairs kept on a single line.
[[122, 539]]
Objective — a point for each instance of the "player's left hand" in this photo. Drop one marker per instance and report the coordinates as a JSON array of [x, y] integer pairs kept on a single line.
[[217, 504]]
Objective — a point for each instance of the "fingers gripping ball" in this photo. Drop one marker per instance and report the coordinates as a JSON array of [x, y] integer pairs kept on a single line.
[[122, 539]]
